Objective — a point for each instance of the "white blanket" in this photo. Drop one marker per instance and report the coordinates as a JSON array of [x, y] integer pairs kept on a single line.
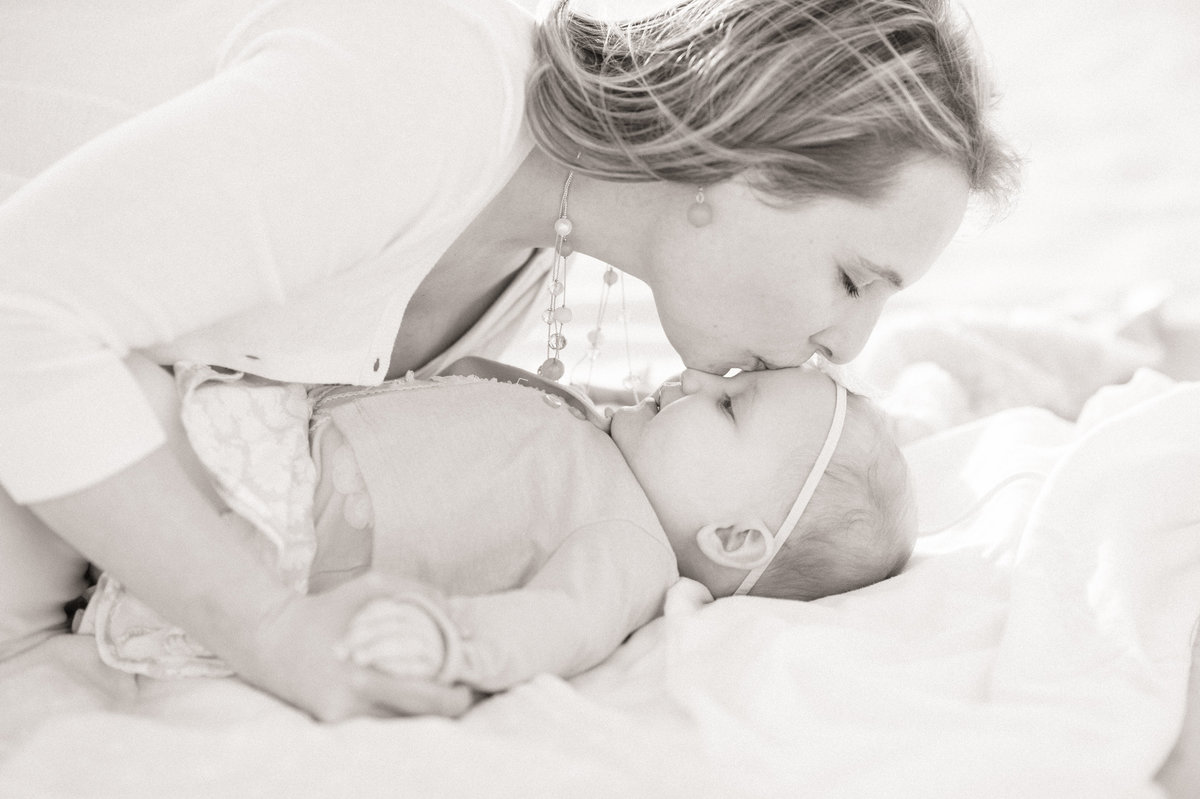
[[1038, 648]]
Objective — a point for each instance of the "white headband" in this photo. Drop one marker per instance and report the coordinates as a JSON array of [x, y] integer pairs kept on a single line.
[[806, 491]]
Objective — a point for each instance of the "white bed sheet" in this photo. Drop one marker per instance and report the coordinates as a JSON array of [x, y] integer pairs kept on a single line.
[[1039, 648]]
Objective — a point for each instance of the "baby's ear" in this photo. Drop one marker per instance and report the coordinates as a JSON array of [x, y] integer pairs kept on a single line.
[[738, 546]]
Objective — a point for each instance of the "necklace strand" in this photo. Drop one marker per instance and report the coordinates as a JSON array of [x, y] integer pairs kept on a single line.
[[558, 313]]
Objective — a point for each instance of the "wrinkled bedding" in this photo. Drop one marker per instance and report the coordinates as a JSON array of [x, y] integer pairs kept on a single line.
[[1039, 646]]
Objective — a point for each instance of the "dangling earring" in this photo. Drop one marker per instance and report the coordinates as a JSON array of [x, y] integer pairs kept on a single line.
[[699, 213], [558, 313]]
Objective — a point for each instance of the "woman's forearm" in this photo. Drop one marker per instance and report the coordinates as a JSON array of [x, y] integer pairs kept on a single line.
[[153, 530], [157, 533]]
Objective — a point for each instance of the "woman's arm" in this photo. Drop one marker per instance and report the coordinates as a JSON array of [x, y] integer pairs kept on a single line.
[[173, 551], [199, 569], [322, 138], [289, 165], [194, 569], [39, 574]]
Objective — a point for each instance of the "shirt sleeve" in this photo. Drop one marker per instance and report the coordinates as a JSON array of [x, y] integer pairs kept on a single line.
[[604, 582], [321, 137]]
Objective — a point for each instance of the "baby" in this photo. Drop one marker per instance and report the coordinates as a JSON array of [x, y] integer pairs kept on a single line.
[[538, 533], [776, 484]]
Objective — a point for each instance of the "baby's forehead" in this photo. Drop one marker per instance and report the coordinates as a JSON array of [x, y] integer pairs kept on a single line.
[[794, 404], [813, 386]]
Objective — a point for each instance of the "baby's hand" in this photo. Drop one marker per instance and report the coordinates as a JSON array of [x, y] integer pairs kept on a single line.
[[395, 637], [294, 656]]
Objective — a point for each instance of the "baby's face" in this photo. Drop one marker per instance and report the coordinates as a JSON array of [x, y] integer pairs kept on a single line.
[[714, 450]]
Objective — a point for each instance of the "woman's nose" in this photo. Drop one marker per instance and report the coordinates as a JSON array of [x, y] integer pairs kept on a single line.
[[693, 381], [841, 343]]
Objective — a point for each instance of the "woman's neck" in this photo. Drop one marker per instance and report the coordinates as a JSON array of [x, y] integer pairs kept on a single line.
[[612, 220]]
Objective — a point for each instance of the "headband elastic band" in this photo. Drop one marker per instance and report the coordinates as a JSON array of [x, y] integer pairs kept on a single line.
[[806, 491]]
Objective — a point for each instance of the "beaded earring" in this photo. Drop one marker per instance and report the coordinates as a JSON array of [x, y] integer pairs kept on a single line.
[[558, 313], [699, 212]]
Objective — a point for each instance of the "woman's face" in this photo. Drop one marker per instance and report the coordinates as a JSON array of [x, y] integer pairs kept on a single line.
[[763, 286]]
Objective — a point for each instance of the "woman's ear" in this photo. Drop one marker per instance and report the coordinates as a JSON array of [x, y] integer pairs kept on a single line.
[[738, 546]]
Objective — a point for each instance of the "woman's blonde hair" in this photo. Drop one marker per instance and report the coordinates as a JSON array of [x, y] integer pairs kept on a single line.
[[800, 97]]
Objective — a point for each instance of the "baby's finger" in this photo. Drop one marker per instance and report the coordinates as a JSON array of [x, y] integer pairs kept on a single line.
[[406, 697], [380, 610], [401, 657], [363, 632], [390, 619]]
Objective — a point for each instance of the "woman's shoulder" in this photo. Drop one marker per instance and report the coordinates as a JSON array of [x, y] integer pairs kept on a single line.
[[444, 31], [457, 67], [417, 105]]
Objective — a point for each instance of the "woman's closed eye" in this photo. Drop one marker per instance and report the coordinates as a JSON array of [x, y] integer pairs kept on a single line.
[[850, 287]]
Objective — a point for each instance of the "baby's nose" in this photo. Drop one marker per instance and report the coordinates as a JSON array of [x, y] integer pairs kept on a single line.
[[693, 381]]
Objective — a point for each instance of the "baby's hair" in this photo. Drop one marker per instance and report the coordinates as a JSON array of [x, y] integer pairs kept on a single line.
[[860, 526], [802, 98]]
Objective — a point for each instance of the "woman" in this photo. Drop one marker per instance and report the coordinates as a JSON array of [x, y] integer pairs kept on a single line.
[[335, 193]]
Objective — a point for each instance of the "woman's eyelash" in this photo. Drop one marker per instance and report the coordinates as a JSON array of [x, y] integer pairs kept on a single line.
[[848, 284]]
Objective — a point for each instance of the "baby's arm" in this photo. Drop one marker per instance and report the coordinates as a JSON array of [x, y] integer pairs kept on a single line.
[[603, 583]]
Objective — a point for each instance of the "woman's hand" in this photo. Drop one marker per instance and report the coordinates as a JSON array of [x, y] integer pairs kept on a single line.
[[296, 659]]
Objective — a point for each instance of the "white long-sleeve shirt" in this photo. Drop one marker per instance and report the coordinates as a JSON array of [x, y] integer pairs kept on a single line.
[[259, 184]]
